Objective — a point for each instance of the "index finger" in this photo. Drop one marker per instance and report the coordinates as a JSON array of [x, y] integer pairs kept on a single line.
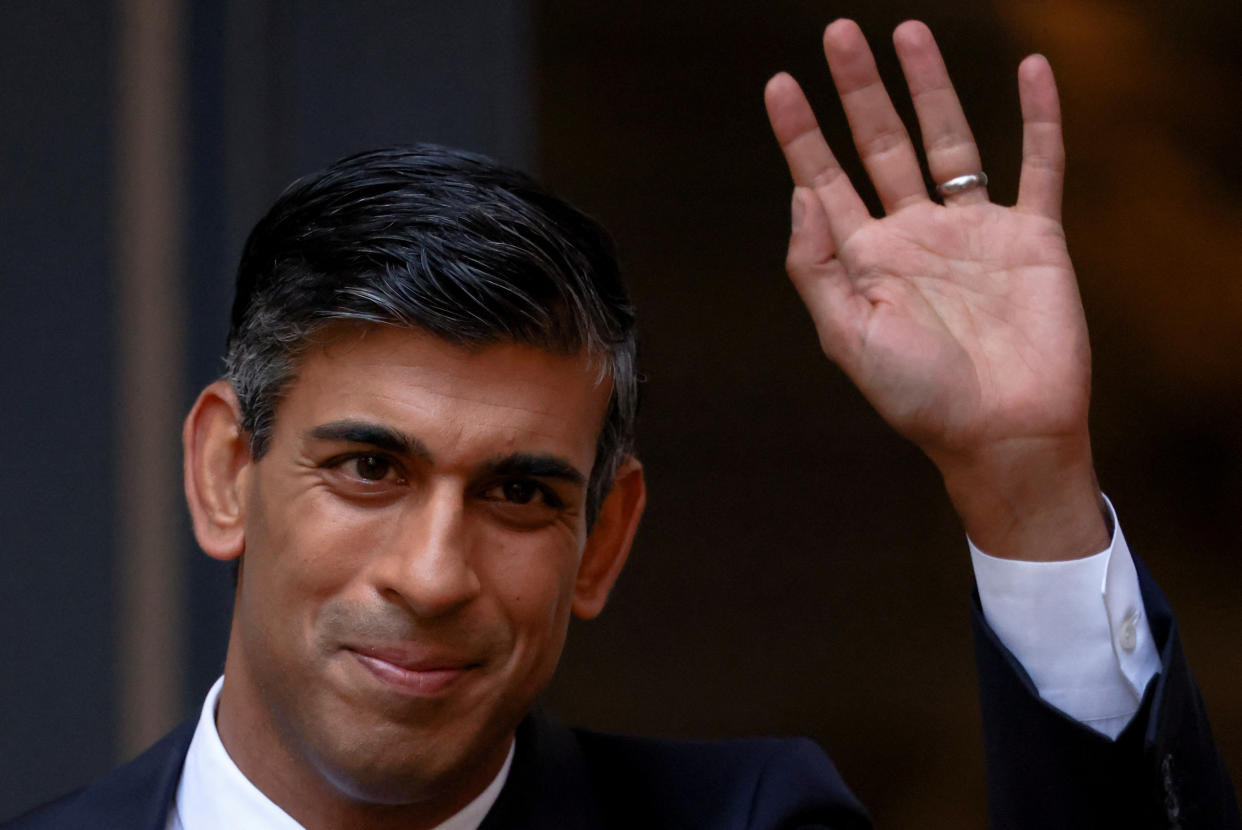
[[811, 162]]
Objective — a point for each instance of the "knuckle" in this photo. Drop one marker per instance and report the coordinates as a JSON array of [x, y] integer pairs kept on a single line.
[[892, 137], [826, 178], [951, 143], [1046, 162]]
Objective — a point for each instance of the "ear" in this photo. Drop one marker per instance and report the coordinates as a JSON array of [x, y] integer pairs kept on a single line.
[[608, 546], [217, 461]]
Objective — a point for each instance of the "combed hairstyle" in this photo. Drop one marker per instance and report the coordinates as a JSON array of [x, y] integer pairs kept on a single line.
[[443, 241]]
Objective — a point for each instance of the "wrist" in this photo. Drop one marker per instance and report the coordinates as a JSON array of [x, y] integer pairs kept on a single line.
[[1030, 499]]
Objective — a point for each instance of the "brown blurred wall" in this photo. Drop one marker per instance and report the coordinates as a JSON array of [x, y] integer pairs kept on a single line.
[[800, 570]]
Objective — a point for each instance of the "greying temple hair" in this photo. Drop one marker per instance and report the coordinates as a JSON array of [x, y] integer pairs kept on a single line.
[[440, 240]]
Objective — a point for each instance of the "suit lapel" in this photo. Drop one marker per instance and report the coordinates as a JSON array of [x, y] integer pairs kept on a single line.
[[137, 795], [548, 784]]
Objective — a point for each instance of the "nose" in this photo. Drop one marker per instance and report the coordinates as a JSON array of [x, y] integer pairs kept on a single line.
[[427, 564]]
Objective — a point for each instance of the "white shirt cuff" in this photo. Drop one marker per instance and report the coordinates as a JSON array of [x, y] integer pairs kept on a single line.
[[1078, 627]]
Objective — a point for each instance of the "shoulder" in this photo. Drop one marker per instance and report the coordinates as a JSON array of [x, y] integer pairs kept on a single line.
[[757, 783], [586, 780], [136, 795]]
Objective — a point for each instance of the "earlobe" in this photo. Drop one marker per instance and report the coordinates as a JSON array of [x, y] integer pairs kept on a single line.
[[217, 462], [608, 546]]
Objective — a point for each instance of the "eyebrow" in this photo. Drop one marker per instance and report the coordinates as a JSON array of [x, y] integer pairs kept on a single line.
[[537, 466], [375, 435]]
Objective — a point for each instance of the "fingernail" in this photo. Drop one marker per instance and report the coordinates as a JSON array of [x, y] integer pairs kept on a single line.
[[798, 209]]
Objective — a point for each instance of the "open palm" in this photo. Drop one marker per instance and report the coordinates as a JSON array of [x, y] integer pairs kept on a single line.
[[960, 322]]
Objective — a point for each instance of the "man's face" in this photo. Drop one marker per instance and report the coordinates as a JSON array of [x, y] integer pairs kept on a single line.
[[413, 538]]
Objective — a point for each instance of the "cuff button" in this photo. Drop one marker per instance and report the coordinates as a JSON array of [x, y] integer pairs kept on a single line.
[[1127, 635]]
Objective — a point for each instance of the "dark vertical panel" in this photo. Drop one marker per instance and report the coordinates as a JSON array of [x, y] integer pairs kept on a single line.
[[55, 505], [359, 75], [209, 586]]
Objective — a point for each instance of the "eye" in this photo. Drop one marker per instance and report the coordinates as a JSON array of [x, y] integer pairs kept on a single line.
[[524, 501], [528, 493], [371, 467], [364, 473], [519, 492]]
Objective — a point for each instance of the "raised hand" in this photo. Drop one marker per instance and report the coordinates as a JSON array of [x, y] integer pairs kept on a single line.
[[960, 322]]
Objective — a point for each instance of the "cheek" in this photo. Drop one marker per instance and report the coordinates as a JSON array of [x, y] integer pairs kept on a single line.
[[533, 586], [299, 554]]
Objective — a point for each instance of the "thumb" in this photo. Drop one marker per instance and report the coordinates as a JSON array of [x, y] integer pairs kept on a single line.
[[820, 279], [810, 242]]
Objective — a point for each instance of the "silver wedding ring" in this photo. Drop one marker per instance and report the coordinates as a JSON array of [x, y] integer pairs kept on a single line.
[[960, 184]]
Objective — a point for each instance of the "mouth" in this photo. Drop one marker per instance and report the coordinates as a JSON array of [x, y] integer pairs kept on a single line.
[[414, 675]]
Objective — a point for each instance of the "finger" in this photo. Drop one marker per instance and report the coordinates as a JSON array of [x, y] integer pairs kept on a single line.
[[881, 138], [1043, 153], [811, 162], [947, 139], [826, 291]]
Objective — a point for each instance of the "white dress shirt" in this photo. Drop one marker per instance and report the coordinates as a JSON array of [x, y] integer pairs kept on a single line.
[[214, 794], [1077, 627]]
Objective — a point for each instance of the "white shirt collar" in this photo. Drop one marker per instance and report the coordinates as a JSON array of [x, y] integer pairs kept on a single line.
[[213, 792]]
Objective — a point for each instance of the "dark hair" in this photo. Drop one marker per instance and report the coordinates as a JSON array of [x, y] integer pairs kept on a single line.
[[445, 241]]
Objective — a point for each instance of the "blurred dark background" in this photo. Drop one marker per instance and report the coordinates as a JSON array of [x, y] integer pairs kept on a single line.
[[799, 571]]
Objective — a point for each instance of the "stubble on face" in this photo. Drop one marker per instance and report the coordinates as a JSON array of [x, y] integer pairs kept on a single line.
[[341, 671]]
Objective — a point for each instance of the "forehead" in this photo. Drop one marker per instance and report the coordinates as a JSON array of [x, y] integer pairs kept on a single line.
[[506, 393]]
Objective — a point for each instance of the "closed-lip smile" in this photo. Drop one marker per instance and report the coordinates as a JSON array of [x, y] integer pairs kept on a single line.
[[413, 672]]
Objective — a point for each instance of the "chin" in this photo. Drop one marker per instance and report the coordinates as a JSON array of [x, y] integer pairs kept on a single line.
[[365, 775], [401, 767]]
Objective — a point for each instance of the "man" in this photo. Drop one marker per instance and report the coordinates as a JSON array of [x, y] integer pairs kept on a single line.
[[421, 458]]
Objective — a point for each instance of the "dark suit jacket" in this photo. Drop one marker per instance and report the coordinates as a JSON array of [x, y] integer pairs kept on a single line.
[[1044, 770]]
